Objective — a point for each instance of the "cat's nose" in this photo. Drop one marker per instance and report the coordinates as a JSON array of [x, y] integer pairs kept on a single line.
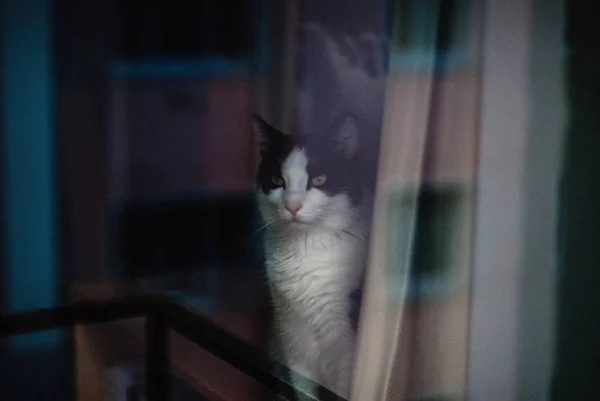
[[293, 207]]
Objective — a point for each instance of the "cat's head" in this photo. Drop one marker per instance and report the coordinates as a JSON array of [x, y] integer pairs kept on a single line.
[[309, 182]]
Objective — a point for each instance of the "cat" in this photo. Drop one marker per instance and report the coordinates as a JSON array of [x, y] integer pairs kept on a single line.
[[315, 216]]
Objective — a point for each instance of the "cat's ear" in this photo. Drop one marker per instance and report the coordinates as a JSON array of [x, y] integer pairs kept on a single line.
[[345, 137], [264, 133]]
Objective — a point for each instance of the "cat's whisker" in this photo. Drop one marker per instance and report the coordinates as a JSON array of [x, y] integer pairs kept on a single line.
[[261, 228], [352, 234]]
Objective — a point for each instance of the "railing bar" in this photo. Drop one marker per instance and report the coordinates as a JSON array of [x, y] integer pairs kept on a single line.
[[163, 314], [67, 316], [157, 358]]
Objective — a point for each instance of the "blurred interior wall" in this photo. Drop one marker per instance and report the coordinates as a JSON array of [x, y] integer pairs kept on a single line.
[[516, 252], [30, 278]]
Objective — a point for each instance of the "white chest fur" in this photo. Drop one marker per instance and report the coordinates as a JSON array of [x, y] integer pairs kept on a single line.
[[319, 263], [311, 275]]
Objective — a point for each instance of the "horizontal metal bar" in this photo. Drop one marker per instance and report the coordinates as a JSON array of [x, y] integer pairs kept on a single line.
[[68, 316]]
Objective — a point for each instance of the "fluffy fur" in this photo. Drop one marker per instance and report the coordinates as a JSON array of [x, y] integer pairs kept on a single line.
[[314, 257]]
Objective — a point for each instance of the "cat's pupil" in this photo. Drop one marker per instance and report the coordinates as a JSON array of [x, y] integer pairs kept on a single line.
[[278, 181], [318, 180]]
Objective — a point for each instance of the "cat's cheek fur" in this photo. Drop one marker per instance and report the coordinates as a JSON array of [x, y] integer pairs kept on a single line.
[[269, 204], [314, 206], [330, 212], [341, 214]]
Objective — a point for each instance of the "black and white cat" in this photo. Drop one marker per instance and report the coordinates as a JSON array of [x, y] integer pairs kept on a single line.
[[315, 215]]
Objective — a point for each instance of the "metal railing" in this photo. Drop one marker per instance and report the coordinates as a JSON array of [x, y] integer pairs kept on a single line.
[[161, 315]]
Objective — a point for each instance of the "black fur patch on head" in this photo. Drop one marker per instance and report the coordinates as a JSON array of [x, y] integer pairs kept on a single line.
[[327, 155], [275, 147], [343, 174]]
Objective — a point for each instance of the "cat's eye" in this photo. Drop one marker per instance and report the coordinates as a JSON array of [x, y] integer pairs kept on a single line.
[[277, 180], [319, 180]]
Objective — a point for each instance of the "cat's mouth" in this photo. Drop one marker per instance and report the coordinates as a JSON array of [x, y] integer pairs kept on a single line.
[[298, 223]]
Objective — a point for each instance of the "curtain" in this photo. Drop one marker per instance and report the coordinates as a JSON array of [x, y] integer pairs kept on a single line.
[[413, 335]]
